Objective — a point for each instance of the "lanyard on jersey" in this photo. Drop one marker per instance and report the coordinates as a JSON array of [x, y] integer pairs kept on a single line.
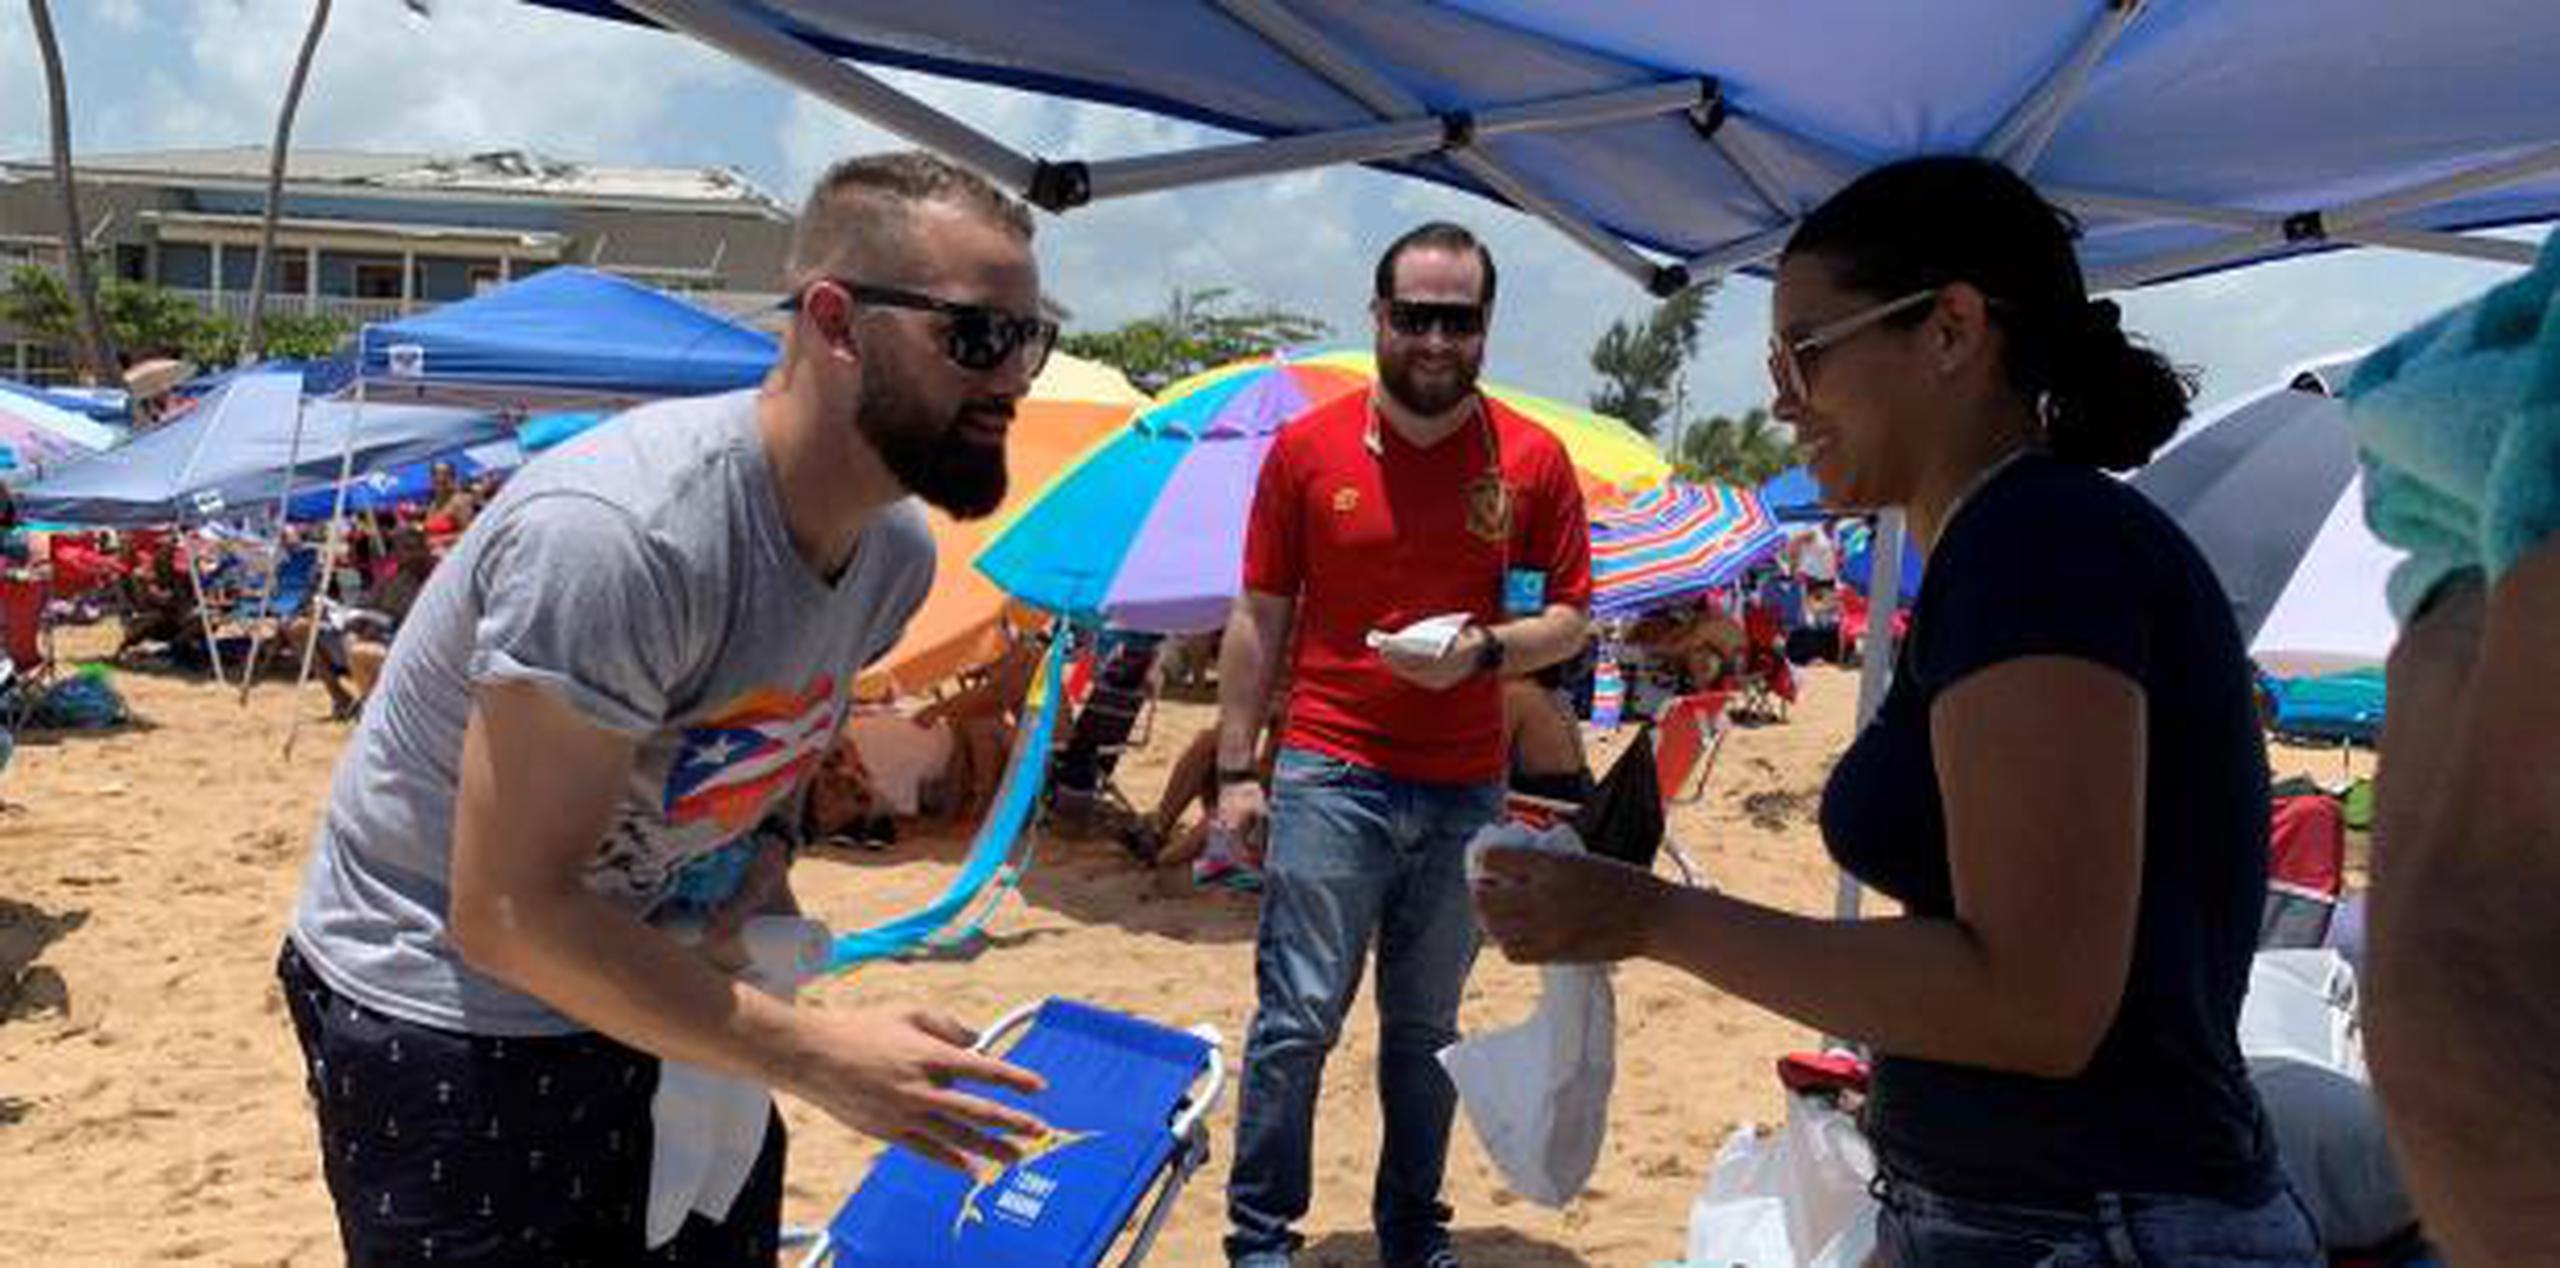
[[1488, 498]]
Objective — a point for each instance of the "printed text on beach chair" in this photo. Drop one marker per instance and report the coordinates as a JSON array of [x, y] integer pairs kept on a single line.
[[2306, 871], [1125, 1105]]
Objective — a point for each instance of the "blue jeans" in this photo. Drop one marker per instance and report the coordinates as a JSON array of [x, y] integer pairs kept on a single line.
[[1355, 853], [1921, 1229]]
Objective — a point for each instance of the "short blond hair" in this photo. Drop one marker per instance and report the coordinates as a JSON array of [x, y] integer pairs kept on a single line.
[[857, 212]]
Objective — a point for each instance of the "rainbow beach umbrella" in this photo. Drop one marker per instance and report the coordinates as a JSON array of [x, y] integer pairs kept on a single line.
[[1675, 541], [1146, 531]]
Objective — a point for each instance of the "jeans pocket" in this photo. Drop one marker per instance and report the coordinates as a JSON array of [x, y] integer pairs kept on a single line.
[[1300, 768]]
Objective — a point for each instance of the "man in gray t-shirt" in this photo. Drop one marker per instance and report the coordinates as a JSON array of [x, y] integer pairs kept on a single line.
[[629, 664]]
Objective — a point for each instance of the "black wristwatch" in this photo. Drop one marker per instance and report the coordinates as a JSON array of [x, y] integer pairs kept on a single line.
[[1489, 653], [1238, 775]]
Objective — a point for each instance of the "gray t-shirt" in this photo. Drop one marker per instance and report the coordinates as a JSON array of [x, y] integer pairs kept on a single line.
[[643, 573]]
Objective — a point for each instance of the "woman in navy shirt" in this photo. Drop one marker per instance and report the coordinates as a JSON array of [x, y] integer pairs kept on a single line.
[[2065, 788]]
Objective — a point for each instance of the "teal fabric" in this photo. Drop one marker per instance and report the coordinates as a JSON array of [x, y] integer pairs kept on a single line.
[[2458, 421]]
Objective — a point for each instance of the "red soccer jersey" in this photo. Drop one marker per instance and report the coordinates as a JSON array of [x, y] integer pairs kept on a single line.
[[1367, 532]]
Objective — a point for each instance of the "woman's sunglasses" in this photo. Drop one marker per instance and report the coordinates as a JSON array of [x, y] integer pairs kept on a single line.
[[1791, 360], [976, 338]]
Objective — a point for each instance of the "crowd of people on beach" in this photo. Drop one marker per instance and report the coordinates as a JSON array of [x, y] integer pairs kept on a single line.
[[638, 653]]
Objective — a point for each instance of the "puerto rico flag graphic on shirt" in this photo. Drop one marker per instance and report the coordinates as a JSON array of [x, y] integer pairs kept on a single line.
[[731, 766]]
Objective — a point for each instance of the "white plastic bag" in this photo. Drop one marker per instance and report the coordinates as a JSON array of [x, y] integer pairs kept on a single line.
[[2301, 1006], [1538, 1092], [1430, 636], [1795, 1198]]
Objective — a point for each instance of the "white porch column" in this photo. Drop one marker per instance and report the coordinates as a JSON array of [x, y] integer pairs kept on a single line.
[[216, 301], [310, 281], [408, 280]]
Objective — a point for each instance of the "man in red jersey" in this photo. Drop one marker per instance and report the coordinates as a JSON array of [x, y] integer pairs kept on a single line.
[[1418, 499]]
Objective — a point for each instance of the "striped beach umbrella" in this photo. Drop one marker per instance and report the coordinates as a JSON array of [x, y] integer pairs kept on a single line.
[[1146, 530], [1676, 541]]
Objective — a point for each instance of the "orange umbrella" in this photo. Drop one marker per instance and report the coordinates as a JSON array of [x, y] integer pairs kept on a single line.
[[1072, 406]]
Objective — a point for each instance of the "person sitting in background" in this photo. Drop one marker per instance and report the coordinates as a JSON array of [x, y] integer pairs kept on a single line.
[[450, 507], [17, 550], [1544, 738], [947, 758], [355, 640], [1160, 838]]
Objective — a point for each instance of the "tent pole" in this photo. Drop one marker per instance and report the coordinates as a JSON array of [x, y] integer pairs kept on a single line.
[[284, 504], [2020, 140], [204, 617], [1314, 50], [327, 580], [728, 26], [1403, 137]]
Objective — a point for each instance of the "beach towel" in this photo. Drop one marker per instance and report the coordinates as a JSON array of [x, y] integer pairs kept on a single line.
[[2458, 423]]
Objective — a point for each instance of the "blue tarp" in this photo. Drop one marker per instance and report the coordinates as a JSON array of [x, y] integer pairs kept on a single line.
[[90, 407], [562, 335], [2204, 133], [229, 456]]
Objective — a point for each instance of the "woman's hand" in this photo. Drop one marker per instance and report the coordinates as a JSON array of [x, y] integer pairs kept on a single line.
[[1542, 907]]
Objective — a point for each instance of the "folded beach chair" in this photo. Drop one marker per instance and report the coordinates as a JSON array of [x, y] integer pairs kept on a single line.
[[1110, 720], [1126, 1105], [1768, 682]]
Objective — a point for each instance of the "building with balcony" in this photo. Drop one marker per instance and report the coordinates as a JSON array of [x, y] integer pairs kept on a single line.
[[367, 237]]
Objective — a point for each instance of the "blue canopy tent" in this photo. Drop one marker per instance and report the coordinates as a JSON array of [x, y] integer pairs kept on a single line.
[[232, 454], [1678, 142], [402, 485], [1793, 497], [564, 338]]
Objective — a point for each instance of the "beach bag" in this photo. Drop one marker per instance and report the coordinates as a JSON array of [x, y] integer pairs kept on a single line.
[[1538, 1093], [1793, 1198], [85, 701]]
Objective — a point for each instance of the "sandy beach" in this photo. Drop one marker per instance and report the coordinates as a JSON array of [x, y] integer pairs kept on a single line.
[[151, 1102]]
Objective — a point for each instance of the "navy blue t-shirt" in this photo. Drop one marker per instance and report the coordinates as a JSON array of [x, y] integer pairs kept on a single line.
[[2054, 559]]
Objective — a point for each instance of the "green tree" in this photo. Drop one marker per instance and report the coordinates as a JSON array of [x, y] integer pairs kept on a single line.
[[1198, 330], [1644, 365], [1741, 451], [147, 321]]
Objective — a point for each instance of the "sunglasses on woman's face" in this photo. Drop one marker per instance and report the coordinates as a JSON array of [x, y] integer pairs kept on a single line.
[[976, 337], [1791, 360], [1414, 318]]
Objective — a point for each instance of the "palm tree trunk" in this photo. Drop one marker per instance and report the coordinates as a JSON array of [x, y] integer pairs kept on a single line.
[[253, 339], [95, 349]]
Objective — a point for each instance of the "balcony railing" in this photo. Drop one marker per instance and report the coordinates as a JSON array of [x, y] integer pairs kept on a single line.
[[235, 305]]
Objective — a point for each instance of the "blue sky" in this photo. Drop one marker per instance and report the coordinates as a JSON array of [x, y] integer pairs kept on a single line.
[[492, 74]]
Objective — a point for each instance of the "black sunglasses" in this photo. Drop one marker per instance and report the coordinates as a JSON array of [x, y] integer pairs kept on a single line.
[[976, 337], [1414, 318]]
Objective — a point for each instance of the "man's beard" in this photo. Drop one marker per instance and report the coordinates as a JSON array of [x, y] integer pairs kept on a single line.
[[935, 460], [1430, 397]]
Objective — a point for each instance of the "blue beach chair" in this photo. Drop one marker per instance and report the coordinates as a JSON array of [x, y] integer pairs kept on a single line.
[[1126, 1105]]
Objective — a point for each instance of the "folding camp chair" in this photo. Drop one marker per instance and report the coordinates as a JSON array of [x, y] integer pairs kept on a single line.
[[1692, 732], [25, 647], [1768, 682], [1126, 1106], [1118, 702]]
